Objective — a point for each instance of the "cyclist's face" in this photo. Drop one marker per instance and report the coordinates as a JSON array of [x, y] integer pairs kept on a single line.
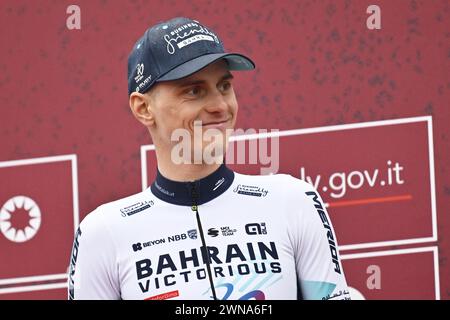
[[205, 96]]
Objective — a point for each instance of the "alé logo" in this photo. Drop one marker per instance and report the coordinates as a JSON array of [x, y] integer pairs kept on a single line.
[[256, 228]]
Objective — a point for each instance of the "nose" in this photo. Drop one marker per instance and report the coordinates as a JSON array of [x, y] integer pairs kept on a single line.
[[216, 103]]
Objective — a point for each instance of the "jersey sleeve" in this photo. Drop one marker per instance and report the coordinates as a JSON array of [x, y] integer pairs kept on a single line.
[[93, 273], [319, 270]]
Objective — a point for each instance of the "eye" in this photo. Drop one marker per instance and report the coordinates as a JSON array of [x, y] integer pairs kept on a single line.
[[194, 91], [225, 86]]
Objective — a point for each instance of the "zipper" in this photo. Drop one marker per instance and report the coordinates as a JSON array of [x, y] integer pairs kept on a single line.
[[194, 208]]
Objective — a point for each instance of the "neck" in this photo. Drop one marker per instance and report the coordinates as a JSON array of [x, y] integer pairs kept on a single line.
[[194, 192], [184, 172]]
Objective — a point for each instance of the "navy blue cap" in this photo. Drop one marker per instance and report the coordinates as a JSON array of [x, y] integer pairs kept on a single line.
[[176, 49]]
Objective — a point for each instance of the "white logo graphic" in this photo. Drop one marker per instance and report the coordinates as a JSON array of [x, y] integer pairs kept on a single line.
[[219, 183], [186, 35], [20, 219], [139, 72]]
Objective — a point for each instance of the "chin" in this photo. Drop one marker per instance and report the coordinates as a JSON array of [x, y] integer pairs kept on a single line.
[[214, 151]]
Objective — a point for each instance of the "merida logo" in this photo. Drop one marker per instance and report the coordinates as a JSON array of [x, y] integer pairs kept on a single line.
[[327, 226], [73, 262]]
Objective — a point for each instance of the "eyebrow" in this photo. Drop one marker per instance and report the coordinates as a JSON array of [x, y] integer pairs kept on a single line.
[[190, 82]]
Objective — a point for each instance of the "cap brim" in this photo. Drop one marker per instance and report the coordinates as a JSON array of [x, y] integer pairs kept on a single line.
[[235, 61]]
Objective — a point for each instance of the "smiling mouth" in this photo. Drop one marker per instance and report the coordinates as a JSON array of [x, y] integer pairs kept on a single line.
[[216, 123]]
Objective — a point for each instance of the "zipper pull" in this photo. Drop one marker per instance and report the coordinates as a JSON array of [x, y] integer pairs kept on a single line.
[[194, 196]]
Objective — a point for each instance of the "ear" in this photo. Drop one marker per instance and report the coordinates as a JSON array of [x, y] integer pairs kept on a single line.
[[141, 107]]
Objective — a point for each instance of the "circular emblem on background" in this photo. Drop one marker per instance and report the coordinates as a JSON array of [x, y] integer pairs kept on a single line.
[[20, 219]]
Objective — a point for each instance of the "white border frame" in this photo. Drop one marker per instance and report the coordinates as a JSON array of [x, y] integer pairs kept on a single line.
[[433, 249], [36, 287], [364, 245], [61, 276]]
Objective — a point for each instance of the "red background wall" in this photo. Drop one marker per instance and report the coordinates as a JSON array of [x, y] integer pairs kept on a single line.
[[64, 91]]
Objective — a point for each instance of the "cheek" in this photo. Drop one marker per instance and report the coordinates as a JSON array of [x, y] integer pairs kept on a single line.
[[233, 105], [167, 119], [233, 101], [169, 113], [174, 118], [236, 107]]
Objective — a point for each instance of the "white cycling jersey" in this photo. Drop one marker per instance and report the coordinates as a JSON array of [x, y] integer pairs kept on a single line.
[[226, 236]]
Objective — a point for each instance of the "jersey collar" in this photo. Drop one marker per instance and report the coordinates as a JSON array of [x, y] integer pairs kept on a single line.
[[195, 192]]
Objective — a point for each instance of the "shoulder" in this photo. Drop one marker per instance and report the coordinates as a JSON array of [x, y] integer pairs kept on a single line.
[[110, 213], [292, 195], [279, 183]]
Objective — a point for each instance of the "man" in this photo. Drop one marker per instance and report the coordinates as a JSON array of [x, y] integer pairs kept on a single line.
[[202, 231]]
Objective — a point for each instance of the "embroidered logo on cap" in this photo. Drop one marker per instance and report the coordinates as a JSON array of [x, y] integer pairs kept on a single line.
[[187, 34], [139, 72]]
